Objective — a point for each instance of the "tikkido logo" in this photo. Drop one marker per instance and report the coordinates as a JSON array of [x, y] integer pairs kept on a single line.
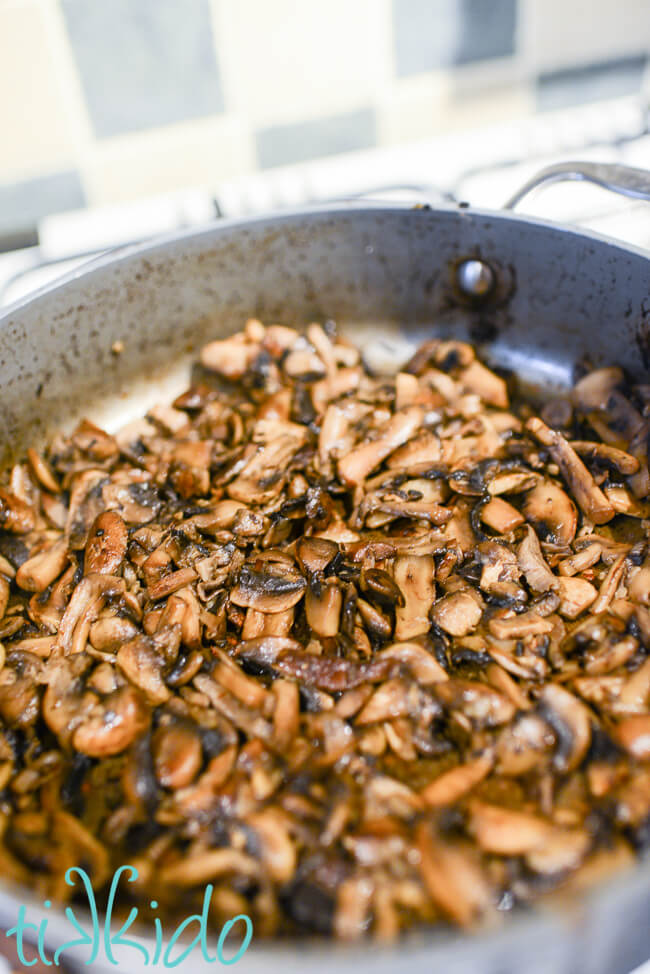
[[99, 934]]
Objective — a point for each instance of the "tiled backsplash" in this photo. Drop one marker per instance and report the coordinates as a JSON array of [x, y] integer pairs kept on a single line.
[[108, 100]]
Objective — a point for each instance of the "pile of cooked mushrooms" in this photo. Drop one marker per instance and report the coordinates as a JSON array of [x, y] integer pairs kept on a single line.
[[362, 651]]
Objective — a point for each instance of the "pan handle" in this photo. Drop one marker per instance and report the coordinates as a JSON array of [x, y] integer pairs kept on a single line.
[[624, 180]]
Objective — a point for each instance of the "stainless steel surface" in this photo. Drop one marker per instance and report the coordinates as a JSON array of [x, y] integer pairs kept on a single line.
[[387, 275], [624, 180]]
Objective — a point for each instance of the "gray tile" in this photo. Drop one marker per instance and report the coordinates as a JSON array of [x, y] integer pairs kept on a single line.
[[592, 82], [430, 34], [23, 204], [281, 145], [144, 63], [488, 30]]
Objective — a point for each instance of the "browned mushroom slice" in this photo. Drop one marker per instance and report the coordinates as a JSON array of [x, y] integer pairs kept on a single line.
[[230, 357], [519, 626], [248, 720], [305, 364], [287, 657], [315, 554], [110, 631], [512, 482], [262, 475], [453, 879], [551, 512], [106, 544], [356, 465], [570, 721], [501, 516], [278, 851], [634, 734], [423, 448], [208, 865], [113, 724], [393, 698], [615, 653], [531, 561], [490, 387], [323, 609], [85, 504], [623, 502], [422, 664], [638, 586], [139, 661], [619, 460], [42, 471], [524, 744], [595, 389], [171, 583], [590, 498], [576, 594], [246, 689], [35, 574], [16, 516], [507, 832], [561, 851], [340, 383], [609, 585], [459, 613], [177, 755], [271, 589], [582, 559], [414, 576], [500, 571], [286, 714], [454, 784], [484, 706], [88, 599]]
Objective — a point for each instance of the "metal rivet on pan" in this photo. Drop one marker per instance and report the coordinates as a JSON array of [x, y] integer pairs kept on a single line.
[[475, 278]]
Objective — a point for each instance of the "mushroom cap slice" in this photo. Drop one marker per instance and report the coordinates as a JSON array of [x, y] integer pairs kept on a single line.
[[551, 512]]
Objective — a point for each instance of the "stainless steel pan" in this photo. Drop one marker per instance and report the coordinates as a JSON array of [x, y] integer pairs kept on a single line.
[[539, 299]]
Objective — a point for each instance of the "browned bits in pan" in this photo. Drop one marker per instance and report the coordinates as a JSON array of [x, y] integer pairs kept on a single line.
[[363, 652]]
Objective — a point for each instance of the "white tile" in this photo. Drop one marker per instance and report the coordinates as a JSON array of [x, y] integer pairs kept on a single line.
[[35, 130], [192, 154], [290, 60], [567, 33]]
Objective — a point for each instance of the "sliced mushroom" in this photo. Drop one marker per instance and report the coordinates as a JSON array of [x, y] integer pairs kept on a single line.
[[177, 755], [619, 460], [16, 516], [454, 881], [139, 662], [35, 574], [414, 576], [86, 602], [576, 594], [355, 466], [269, 589], [507, 832], [590, 498], [551, 512], [458, 613], [106, 544], [454, 784], [634, 735], [570, 722], [484, 706], [531, 561], [501, 516], [112, 725], [490, 387]]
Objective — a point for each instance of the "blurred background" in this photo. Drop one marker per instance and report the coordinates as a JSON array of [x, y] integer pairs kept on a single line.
[[156, 113]]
